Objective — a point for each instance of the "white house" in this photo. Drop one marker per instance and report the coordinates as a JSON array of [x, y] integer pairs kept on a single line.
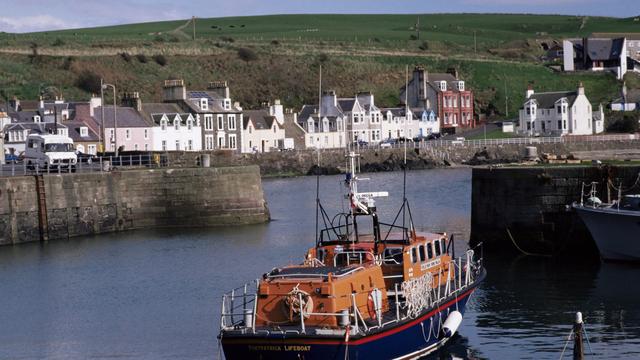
[[559, 113], [325, 128], [395, 126], [172, 129], [628, 101], [428, 122], [263, 130], [596, 54]]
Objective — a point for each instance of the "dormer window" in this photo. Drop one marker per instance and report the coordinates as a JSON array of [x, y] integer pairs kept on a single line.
[[443, 85], [84, 131], [163, 124], [189, 124], [325, 125], [227, 104], [310, 125], [204, 104], [176, 123], [36, 118], [461, 85]]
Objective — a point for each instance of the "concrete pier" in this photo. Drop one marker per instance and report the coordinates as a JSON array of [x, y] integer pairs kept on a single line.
[[524, 210], [95, 203]]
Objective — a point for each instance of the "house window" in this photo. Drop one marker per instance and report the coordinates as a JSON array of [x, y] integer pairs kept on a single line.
[[250, 128], [164, 145], [559, 109], [91, 149], [208, 142], [325, 125], [443, 85], [146, 134], [163, 125], [227, 104], [310, 126], [232, 141], [190, 145], [221, 141], [36, 118], [176, 124], [204, 104], [127, 134], [146, 147], [189, 124], [559, 124], [113, 134], [220, 122], [135, 147], [275, 129], [84, 131], [208, 122], [177, 144], [231, 122]]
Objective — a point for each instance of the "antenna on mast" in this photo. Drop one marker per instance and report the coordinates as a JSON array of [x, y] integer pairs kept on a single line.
[[318, 149]]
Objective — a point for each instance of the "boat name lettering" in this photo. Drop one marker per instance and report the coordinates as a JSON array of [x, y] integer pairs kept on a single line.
[[430, 264], [279, 348]]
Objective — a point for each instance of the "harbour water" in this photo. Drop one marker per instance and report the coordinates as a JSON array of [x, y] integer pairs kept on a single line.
[[156, 294]]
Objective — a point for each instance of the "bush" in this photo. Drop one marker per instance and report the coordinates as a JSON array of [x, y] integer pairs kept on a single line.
[[89, 81], [323, 58], [627, 123], [227, 39], [160, 59], [424, 46], [413, 37], [58, 42], [247, 54], [126, 57], [68, 62], [142, 58], [275, 42]]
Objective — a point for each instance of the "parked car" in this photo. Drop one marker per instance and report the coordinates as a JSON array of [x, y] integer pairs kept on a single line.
[[387, 143], [85, 158], [11, 159], [434, 136], [362, 143], [403, 139], [50, 151]]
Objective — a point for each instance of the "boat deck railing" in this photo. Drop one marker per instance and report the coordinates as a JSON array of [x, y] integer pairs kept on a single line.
[[407, 301]]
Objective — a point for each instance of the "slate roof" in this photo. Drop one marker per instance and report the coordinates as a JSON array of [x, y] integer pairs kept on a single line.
[[398, 112], [35, 128], [260, 119], [74, 132], [547, 100], [346, 104], [127, 117], [306, 112], [601, 49], [153, 112], [214, 101]]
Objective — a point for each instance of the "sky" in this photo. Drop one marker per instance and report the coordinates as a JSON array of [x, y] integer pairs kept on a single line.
[[42, 15]]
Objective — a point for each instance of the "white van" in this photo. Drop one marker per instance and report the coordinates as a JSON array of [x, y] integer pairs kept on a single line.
[[51, 151]]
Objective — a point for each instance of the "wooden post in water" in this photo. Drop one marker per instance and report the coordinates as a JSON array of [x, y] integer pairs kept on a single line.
[[578, 349]]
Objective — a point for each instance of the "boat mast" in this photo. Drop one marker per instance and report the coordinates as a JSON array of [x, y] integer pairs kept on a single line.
[[404, 167], [318, 167]]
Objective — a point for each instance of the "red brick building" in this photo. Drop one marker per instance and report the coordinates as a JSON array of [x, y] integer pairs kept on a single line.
[[445, 94]]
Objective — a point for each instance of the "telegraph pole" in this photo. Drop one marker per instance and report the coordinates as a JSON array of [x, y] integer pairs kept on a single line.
[[193, 24]]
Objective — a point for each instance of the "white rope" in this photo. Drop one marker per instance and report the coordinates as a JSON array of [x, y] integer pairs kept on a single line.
[[417, 294]]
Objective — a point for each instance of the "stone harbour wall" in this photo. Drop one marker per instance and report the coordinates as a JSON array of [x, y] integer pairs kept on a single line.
[[303, 162], [94, 203], [528, 209]]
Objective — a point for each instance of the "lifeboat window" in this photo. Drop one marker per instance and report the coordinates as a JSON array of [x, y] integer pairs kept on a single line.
[[444, 246], [429, 251], [393, 256], [414, 255], [348, 258], [320, 255], [421, 252], [436, 245]]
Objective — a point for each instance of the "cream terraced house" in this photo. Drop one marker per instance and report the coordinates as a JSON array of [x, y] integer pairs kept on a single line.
[[559, 113]]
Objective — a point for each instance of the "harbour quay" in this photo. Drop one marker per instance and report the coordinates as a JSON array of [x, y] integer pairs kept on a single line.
[[48, 207], [527, 210]]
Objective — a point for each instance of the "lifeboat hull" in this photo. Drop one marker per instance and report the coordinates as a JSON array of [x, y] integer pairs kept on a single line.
[[406, 340]]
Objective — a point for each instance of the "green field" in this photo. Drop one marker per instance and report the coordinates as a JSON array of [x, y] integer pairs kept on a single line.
[[498, 55]]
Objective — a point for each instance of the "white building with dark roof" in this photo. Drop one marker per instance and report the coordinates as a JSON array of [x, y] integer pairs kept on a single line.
[[263, 130], [596, 54], [171, 128], [559, 113]]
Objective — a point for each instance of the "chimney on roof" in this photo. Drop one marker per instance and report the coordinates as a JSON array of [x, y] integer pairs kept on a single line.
[[329, 99], [580, 88], [530, 91], [14, 104], [94, 102], [220, 87], [41, 103], [276, 110], [174, 90], [453, 71], [132, 99]]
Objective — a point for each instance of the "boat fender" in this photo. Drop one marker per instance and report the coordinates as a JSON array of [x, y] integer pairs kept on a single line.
[[451, 324]]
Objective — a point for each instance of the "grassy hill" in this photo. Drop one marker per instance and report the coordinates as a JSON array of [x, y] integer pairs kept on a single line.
[[497, 54]]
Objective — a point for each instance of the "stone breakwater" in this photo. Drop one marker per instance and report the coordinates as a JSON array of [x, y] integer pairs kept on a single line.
[[527, 209], [333, 160], [68, 205]]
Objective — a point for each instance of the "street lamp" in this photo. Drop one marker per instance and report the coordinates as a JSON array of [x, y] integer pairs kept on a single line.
[[115, 118]]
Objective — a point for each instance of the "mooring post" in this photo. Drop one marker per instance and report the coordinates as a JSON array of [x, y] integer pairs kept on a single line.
[[578, 349]]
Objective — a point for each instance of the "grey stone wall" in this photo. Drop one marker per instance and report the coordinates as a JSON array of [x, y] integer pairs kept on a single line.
[[532, 204], [94, 203], [301, 162]]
